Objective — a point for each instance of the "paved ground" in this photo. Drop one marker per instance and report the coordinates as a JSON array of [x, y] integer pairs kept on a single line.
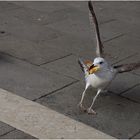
[[40, 43]]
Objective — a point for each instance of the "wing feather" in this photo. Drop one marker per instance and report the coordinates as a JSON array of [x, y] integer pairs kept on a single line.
[[127, 67], [94, 22], [85, 66]]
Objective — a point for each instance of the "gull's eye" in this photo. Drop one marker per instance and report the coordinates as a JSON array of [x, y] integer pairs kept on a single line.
[[101, 62]]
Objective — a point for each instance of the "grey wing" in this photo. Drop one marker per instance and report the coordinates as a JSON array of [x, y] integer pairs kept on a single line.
[[94, 22], [83, 66], [127, 67]]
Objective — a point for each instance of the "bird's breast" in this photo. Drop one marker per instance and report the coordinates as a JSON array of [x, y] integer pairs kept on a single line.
[[100, 80]]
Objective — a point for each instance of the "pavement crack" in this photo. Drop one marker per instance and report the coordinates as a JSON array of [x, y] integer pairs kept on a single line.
[[115, 37], [22, 59], [135, 73], [132, 55], [55, 59], [107, 21], [129, 89], [61, 74], [129, 99], [134, 135], [8, 132], [56, 90]]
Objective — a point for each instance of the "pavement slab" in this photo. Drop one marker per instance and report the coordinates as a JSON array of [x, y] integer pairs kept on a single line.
[[27, 80], [75, 45], [124, 82], [76, 27], [137, 136], [8, 6], [24, 41], [29, 31], [42, 122], [110, 30], [124, 13], [133, 94], [16, 134], [34, 15], [33, 53], [44, 6], [126, 42], [113, 112], [5, 128], [67, 66], [9, 132], [120, 52], [79, 25], [40, 43]]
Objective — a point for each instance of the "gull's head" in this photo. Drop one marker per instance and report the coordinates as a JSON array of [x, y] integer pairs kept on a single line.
[[99, 64]]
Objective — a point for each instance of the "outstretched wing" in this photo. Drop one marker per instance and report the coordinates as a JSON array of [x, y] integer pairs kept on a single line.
[[127, 67], [85, 66], [94, 22]]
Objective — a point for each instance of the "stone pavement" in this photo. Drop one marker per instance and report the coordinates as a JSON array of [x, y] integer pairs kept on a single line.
[[40, 43]]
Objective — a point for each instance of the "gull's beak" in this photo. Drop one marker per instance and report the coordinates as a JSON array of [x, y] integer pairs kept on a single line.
[[93, 69]]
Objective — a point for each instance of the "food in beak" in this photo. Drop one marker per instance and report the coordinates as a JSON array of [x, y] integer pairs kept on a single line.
[[93, 69]]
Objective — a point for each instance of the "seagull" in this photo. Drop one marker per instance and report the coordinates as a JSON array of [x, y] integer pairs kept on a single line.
[[99, 73]]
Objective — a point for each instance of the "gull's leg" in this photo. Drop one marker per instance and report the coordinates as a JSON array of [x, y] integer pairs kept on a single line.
[[90, 110], [82, 98]]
